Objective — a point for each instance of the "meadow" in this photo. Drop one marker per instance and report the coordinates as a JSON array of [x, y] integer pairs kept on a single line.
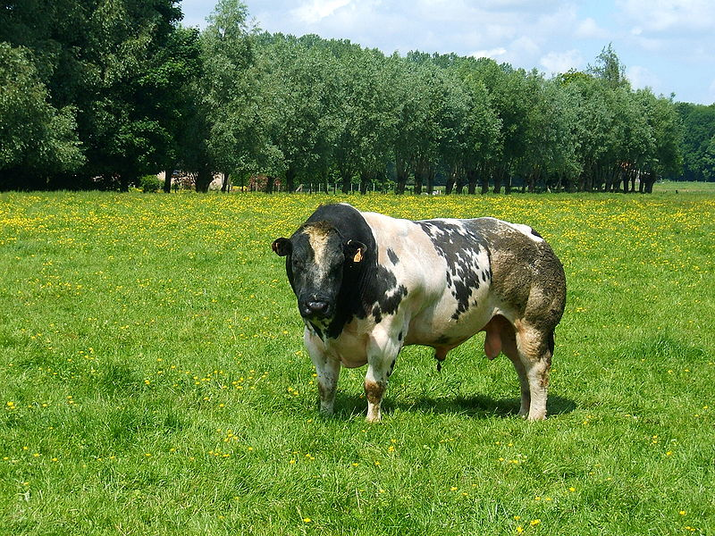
[[153, 378]]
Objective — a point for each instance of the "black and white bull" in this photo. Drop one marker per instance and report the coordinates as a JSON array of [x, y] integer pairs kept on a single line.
[[368, 284]]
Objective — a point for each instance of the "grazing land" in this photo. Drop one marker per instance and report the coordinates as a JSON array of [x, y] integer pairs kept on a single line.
[[154, 381]]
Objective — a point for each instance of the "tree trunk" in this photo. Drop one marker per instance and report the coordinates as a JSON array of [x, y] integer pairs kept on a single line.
[[364, 181], [459, 183], [419, 175], [290, 178], [402, 176], [472, 181], [484, 181], [168, 174], [498, 177], [226, 184], [203, 180], [430, 180], [123, 183], [450, 182], [270, 184], [346, 177], [507, 183]]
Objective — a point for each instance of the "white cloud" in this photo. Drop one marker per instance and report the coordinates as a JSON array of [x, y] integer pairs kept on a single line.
[[560, 62], [670, 15], [494, 53], [317, 10], [524, 48], [589, 29], [641, 77]]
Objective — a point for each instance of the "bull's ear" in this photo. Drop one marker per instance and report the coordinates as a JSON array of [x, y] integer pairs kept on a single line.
[[282, 246], [355, 251]]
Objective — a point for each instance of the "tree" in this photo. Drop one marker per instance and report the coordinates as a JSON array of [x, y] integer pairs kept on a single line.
[[171, 82], [225, 108], [119, 118], [36, 139], [699, 130], [298, 80], [608, 67], [364, 120]]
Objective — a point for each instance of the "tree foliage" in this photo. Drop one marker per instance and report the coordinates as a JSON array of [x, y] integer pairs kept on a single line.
[[698, 145], [36, 139], [97, 93]]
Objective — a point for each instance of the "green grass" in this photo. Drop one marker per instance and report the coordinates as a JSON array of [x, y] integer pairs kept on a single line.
[[153, 379]]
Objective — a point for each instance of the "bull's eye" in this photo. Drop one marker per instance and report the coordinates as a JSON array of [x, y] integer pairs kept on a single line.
[[335, 268]]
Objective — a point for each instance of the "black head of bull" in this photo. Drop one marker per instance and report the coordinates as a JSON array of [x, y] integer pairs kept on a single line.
[[318, 260], [326, 259]]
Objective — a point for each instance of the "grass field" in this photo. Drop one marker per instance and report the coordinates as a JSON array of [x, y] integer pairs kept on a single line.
[[153, 379]]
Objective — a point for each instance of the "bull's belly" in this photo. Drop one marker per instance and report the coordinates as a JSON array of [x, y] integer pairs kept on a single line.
[[440, 329]]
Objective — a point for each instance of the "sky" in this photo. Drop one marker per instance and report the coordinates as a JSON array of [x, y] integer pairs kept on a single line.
[[666, 45]]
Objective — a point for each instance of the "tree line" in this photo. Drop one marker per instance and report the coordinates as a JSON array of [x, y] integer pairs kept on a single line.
[[98, 93]]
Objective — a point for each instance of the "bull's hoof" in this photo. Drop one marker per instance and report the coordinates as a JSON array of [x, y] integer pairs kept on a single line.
[[326, 411], [374, 419], [540, 416]]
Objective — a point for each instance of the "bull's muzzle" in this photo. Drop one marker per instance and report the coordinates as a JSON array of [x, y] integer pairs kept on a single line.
[[315, 309]]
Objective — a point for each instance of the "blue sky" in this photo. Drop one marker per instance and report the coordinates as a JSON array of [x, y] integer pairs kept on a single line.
[[667, 45]]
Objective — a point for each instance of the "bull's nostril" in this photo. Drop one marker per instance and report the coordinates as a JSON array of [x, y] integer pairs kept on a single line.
[[318, 306]]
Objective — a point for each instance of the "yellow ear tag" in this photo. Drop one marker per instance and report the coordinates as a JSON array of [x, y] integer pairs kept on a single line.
[[358, 256]]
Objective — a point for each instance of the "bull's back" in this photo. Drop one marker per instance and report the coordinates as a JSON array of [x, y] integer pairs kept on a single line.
[[461, 273]]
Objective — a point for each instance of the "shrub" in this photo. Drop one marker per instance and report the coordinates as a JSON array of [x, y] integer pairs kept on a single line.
[[150, 184]]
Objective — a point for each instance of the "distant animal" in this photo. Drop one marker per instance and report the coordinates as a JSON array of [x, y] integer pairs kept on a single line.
[[368, 284]]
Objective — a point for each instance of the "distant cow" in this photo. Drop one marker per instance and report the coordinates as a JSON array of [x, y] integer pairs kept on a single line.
[[369, 284]]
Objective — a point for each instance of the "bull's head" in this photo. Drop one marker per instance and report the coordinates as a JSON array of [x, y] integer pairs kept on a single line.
[[318, 258]]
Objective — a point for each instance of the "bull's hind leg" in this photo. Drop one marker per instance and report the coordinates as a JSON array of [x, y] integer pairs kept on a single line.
[[530, 352], [501, 337], [508, 346], [534, 349]]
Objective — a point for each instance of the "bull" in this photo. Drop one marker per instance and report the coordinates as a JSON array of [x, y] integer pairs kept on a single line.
[[368, 284]]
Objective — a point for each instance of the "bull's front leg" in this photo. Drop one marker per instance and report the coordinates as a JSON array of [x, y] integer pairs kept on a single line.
[[382, 354], [327, 369]]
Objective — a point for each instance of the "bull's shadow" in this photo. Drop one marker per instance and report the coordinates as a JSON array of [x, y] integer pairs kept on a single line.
[[478, 406]]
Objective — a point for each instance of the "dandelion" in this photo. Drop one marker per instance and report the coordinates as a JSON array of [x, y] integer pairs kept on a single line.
[[535, 522]]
